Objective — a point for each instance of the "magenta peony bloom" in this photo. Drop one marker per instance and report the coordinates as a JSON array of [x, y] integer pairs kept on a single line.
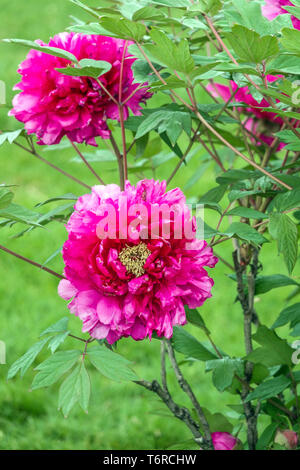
[[273, 8], [287, 438], [53, 105], [260, 121], [224, 441], [123, 280]]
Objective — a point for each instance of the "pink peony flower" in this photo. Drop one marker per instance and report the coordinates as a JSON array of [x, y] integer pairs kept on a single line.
[[224, 441], [273, 8], [129, 283], [287, 438], [53, 105], [260, 121]]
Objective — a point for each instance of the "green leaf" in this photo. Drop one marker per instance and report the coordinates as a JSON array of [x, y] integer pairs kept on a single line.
[[85, 7], [123, 28], [274, 350], [169, 54], [193, 316], [170, 122], [217, 422], [57, 340], [289, 314], [51, 370], [285, 231], [287, 200], [188, 345], [57, 52], [59, 327], [24, 362], [10, 136], [250, 46], [214, 194], [87, 68], [20, 214], [245, 232], [267, 437], [75, 388], [224, 371], [110, 364], [269, 388], [290, 138], [247, 213], [64, 197], [5, 198], [291, 40], [172, 3]]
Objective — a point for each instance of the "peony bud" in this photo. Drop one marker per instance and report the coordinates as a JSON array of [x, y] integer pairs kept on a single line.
[[287, 438], [225, 441]]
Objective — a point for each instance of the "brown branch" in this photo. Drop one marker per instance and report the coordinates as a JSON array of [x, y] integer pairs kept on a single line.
[[187, 389], [86, 162], [33, 263]]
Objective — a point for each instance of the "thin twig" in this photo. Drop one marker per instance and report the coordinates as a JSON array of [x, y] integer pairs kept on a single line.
[[86, 162], [33, 263]]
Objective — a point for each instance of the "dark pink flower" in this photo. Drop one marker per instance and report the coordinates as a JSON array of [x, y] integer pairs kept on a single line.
[[53, 105], [273, 8], [260, 120], [130, 283], [287, 438], [224, 441]]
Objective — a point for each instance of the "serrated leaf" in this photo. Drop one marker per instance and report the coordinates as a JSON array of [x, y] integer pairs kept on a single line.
[[274, 350], [124, 28], [111, 364], [24, 362], [224, 371], [250, 46], [285, 231], [169, 54]]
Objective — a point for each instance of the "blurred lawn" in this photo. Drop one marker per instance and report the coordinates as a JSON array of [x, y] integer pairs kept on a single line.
[[122, 416]]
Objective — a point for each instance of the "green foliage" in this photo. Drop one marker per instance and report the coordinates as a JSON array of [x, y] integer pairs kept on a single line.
[[111, 364], [188, 345], [250, 46]]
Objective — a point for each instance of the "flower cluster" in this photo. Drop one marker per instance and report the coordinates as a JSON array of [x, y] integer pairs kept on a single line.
[[259, 122], [131, 284], [52, 104]]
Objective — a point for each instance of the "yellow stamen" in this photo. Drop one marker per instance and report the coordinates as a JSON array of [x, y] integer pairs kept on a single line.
[[134, 258]]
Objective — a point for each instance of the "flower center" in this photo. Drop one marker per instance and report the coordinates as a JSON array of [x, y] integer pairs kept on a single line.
[[134, 258]]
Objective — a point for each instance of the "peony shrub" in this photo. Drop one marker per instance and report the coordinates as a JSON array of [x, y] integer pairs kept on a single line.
[[216, 79]]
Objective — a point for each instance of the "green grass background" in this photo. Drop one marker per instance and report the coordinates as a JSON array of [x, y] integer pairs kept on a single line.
[[121, 416]]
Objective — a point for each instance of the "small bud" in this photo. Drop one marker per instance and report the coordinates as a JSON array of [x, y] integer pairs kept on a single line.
[[287, 438], [225, 441]]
